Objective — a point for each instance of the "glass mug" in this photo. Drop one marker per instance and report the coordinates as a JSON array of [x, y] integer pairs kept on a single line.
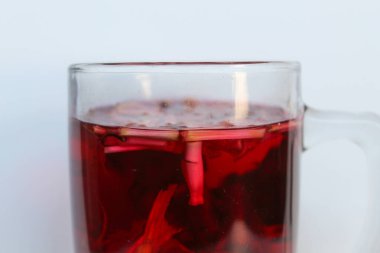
[[197, 156]]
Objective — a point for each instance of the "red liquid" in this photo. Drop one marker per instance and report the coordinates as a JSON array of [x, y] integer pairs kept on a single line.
[[175, 189]]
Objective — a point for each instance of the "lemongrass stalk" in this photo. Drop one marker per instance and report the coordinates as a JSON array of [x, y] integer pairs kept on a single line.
[[192, 169]]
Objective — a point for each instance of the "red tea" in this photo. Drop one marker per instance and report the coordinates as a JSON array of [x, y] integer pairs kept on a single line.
[[184, 176]]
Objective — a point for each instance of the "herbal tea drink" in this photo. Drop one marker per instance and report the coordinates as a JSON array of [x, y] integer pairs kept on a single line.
[[184, 176], [199, 157]]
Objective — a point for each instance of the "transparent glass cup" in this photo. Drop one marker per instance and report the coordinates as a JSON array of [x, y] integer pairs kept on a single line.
[[197, 156]]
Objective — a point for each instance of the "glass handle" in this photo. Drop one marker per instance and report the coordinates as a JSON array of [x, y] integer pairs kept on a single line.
[[362, 129]]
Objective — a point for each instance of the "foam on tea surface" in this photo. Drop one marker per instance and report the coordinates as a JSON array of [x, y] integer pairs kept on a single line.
[[183, 114]]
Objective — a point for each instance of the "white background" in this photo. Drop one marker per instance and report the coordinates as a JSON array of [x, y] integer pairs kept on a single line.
[[337, 42]]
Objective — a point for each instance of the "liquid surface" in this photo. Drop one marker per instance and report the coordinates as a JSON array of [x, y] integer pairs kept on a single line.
[[182, 114], [142, 185]]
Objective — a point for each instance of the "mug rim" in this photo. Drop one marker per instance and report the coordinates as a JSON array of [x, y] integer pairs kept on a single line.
[[154, 65]]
